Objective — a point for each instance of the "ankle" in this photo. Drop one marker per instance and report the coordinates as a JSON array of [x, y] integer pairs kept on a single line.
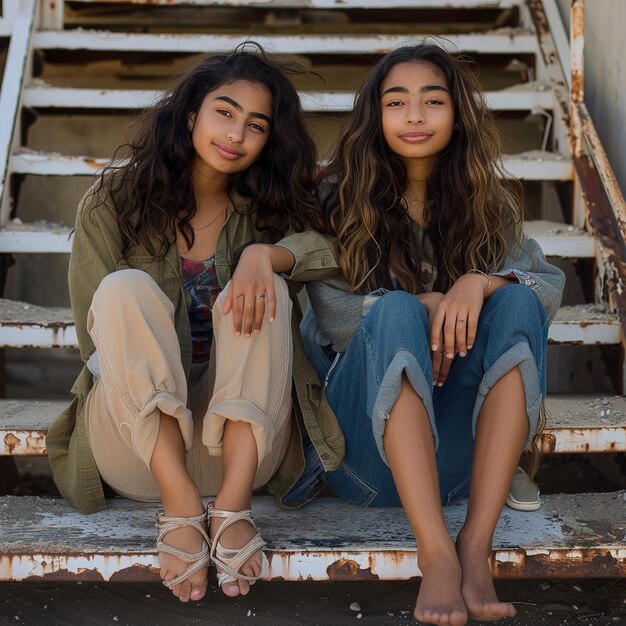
[[184, 501], [471, 544]]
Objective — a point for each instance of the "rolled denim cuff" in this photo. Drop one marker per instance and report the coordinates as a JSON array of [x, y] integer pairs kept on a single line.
[[518, 355], [389, 391]]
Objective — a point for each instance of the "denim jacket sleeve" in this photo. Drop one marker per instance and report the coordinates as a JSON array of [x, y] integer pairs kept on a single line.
[[528, 265]]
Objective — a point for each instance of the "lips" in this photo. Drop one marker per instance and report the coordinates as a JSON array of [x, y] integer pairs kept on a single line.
[[415, 137], [226, 152]]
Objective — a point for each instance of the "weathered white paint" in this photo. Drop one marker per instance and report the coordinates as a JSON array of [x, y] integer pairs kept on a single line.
[[517, 99], [6, 26], [561, 240], [533, 165], [505, 41], [576, 328], [325, 540], [12, 82], [32, 336]]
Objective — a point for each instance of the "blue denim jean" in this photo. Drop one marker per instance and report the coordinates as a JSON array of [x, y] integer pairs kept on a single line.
[[364, 383]]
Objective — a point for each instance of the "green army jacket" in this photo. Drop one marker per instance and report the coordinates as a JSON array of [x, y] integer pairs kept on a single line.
[[96, 252]]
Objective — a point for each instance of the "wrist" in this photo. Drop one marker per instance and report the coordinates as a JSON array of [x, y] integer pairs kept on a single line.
[[484, 278]]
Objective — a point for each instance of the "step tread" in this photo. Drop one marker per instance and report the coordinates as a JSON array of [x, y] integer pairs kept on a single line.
[[575, 423], [525, 96], [24, 325], [531, 165], [328, 539], [498, 41]]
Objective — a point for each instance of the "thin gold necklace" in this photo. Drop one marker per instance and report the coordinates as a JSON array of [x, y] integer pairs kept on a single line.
[[196, 230]]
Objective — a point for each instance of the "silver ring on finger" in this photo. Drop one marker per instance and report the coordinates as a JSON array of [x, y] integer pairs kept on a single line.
[[260, 295]]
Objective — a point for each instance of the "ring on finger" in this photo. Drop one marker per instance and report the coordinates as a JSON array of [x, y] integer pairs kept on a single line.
[[260, 295]]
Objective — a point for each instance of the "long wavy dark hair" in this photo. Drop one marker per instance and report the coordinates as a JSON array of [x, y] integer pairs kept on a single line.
[[152, 192], [472, 214]]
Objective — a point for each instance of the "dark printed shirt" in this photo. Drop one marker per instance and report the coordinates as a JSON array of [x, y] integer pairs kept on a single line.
[[201, 291]]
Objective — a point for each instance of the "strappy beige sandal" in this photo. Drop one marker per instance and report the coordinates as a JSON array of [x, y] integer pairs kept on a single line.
[[228, 560], [196, 560]]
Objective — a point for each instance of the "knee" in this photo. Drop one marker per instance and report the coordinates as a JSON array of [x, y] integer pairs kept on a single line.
[[516, 308], [123, 286], [400, 311]]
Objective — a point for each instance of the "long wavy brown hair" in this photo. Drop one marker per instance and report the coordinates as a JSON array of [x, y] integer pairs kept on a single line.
[[152, 192], [473, 216]]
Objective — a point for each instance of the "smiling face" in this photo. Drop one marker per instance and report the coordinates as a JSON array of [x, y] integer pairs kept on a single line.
[[417, 112], [231, 127]]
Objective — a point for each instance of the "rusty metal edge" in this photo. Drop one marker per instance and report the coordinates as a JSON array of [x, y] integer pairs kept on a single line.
[[511, 563]]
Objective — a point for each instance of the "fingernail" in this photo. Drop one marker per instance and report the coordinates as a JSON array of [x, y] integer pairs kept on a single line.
[[256, 331], [439, 384], [462, 353], [449, 355], [237, 333], [247, 334], [271, 319], [434, 347], [469, 347]]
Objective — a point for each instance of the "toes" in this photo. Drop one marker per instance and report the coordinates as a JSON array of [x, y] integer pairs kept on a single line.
[[198, 590], [244, 587], [231, 589], [185, 591]]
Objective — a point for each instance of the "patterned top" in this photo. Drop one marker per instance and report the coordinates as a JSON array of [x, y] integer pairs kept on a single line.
[[201, 291]]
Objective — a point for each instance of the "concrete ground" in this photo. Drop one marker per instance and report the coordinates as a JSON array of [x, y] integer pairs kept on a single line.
[[539, 603]]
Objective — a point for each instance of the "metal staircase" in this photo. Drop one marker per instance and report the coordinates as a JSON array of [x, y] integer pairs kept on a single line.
[[74, 70]]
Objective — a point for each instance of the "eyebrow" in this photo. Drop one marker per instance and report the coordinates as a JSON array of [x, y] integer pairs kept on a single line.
[[236, 104], [424, 89]]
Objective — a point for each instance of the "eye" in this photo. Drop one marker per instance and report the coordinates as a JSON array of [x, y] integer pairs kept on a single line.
[[394, 103], [257, 127], [224, 112], [434, 101]]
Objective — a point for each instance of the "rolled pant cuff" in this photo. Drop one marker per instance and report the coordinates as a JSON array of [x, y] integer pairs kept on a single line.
[[236, 410], [389, 391], [519, 355], [146, 428]]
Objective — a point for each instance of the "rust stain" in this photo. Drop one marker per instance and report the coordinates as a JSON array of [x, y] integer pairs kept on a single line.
[[35, 444], [596, 563], [137, 573], [346, 569], [548, 443], [11, 442]]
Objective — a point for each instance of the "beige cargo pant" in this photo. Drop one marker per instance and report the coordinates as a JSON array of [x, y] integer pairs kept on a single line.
[[131, 322]]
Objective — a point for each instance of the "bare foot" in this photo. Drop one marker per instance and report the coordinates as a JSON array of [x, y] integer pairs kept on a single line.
[[189, 540], [439, 600], [477, 587], [234, 538]]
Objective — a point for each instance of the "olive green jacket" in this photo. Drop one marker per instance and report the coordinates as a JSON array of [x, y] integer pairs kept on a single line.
[[96, 252]]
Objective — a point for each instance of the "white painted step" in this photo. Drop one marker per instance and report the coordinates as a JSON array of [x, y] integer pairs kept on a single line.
[[28, 326], [532, 165], [518, 98], [500, 41], [561, 240], [555, 239], [570, 536], [583, 423]]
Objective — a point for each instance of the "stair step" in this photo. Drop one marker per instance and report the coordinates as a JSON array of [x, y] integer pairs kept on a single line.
[[555, 239], [532, 165], [500, 41], [518, 98], [570, 536], [574, 424], [561, 240]]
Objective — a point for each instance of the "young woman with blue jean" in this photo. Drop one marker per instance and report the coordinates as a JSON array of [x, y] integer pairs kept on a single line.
[[438, 327]]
